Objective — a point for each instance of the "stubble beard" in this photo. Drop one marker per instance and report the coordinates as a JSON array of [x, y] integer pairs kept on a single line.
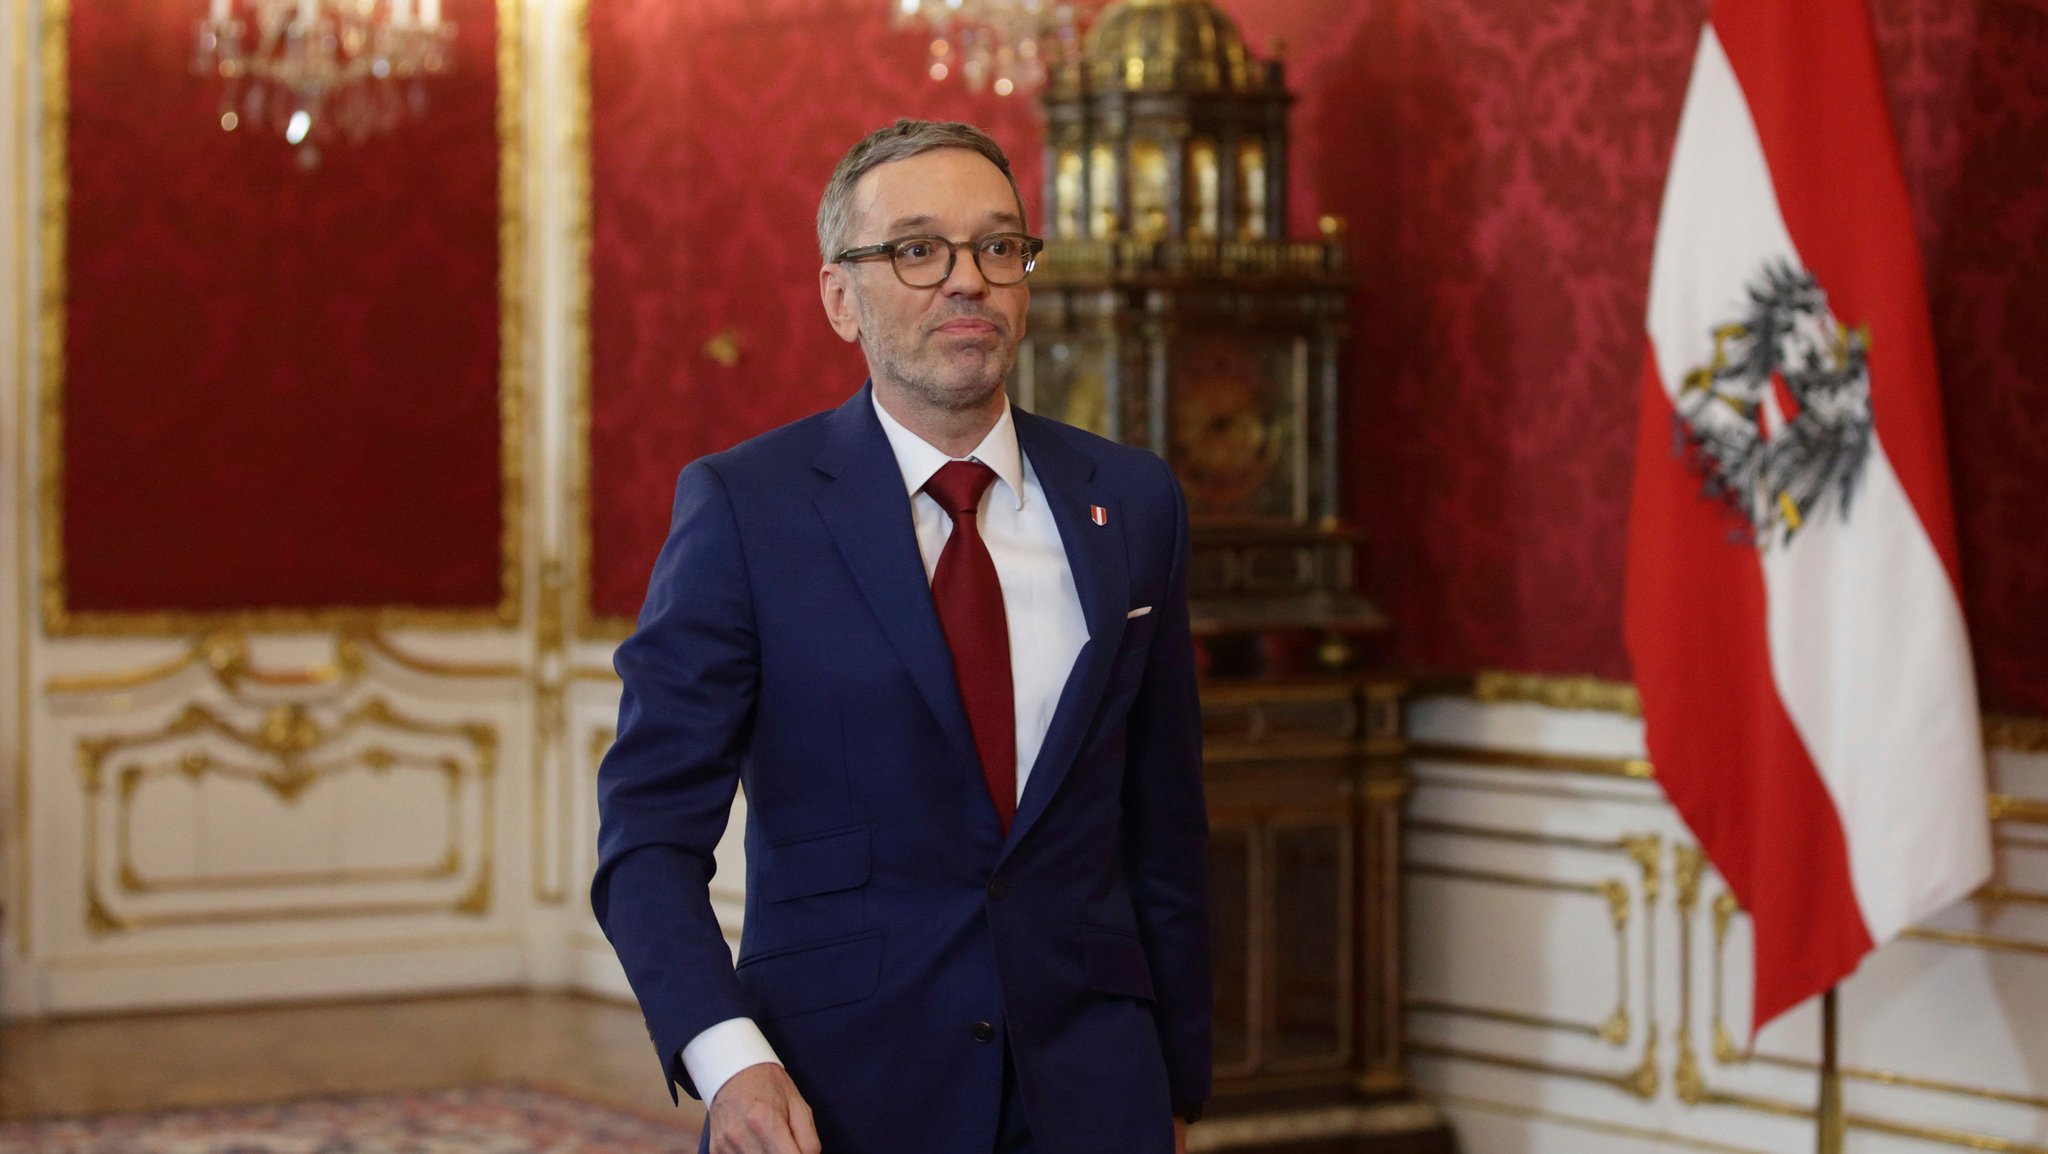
[[958, 382]]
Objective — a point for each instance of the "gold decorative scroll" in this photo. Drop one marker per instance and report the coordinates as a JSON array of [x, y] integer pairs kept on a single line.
[[224, 654], [287, 733], [289, 738], [194, 765]]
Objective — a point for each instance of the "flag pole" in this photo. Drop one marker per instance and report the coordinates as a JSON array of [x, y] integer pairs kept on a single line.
[[1831, 1126]]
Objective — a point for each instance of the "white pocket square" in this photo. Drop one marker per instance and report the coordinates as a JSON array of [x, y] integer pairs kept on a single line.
[[1140, 611]]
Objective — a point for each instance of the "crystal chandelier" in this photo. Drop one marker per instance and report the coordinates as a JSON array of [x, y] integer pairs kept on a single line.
[[1003, 45], [314, 69]]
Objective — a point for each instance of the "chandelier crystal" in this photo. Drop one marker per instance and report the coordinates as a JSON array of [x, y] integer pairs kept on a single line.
[[315, 70], [1006, 46]]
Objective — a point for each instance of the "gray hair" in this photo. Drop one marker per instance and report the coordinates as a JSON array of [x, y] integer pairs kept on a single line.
[[900, 141]]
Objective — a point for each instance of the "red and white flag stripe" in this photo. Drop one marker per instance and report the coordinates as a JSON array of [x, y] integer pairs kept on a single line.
[[1809, 702]]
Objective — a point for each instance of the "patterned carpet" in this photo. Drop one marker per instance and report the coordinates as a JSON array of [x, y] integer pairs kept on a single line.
[[478, 1120]]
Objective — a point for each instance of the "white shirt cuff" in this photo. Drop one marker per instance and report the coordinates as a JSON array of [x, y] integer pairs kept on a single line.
[[723, 1050]]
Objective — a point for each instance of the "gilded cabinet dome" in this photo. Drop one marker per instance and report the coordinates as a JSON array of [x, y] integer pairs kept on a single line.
[[1170, 45]]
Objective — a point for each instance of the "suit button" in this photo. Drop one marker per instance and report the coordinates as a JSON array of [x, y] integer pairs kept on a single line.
[[997, 888], [984, 1032]]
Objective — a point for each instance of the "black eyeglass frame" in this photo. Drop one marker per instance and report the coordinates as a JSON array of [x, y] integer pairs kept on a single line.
[[1033, 245]]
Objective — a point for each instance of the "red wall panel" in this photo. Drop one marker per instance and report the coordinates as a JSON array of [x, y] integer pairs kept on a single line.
[[1499, 166], [280, 387]]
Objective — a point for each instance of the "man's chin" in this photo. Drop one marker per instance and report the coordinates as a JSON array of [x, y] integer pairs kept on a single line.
[[968, 381], [964, 395]]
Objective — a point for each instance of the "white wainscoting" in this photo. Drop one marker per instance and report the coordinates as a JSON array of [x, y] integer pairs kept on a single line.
[[1576, 985]]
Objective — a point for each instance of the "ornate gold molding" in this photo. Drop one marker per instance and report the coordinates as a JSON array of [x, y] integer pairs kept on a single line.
[[1687, 867], [2011, 732], [588, 624], [1640, 1082], [2001, 807], [288, 789], [58, 618], [54, 59], [1909, 1081], [224, 654], [287, 733], [22, 918], [2017, 734], [2005, 807], [1996, 942], [1595, 1125], [1690, 1080], [550, 684], [1495, 686], [600, 742], [1604, 1031], [1615, 1030], [1596, 766], [513, 375], [288, 736]]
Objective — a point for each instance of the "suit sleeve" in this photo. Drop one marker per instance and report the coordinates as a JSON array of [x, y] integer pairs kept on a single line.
[[1166, 834], [664, 791]]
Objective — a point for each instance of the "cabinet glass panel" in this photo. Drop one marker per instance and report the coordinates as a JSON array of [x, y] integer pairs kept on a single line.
[[1230, 927], [1311, 962]]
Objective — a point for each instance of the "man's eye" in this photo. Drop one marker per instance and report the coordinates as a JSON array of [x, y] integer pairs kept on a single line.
[[915, 250], [999, 246]]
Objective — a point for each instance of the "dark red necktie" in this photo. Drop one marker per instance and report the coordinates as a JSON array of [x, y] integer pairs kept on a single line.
[[970, 603]]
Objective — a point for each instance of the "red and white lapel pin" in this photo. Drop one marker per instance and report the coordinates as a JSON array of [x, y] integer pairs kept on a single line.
[[1098, 514]]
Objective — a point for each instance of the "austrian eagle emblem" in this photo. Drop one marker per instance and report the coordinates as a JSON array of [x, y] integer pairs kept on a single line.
[[1777, 423]]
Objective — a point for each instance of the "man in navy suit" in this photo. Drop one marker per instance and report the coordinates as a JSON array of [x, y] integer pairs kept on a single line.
[[944, 645]]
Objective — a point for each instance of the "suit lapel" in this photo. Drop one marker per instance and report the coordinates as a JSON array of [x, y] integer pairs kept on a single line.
[[868, 514], [1096, 556]]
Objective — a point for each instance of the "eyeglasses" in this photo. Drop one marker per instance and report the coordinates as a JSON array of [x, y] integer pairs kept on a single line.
[[1004, 258]]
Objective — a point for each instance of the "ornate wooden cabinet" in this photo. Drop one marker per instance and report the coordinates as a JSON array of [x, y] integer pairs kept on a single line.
[[1170, 311], [1305, 779]]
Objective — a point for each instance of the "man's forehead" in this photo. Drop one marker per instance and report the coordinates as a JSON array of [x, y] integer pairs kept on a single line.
[[948, 185]]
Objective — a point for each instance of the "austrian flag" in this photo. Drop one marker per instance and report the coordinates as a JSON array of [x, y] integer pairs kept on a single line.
[[1792, 610]]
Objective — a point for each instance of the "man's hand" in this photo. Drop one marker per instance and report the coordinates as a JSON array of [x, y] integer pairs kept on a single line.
[[1180, 1137], [758, 1111]]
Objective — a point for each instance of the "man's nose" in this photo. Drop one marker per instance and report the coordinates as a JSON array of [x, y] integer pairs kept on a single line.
[[965, 280]]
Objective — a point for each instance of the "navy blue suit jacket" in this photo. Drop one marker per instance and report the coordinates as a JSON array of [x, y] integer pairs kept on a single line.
[[789, 643]]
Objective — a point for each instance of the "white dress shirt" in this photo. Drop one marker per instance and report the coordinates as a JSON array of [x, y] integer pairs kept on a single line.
[[1047, 631]]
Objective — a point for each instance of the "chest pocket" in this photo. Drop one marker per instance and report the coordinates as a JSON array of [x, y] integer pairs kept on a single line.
[[817, 864]]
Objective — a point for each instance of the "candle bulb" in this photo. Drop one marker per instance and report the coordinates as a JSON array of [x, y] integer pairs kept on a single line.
[[430, 13], [306, 13], [219, 12], [401, 12]]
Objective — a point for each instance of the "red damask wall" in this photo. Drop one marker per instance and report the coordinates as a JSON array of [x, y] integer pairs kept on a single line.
[[1499, 164], [245, 424]]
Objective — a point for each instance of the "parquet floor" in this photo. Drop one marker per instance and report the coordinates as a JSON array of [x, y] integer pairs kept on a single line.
[[594, 1048]]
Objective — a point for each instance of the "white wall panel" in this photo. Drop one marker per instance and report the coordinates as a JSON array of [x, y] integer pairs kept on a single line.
[[1524, 818]]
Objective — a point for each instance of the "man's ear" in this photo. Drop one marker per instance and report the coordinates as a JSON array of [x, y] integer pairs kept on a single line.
[[836, 290]]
